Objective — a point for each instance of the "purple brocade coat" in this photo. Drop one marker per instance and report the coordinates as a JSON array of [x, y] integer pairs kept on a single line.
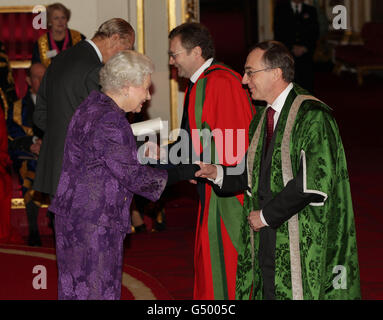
[[100, 175]]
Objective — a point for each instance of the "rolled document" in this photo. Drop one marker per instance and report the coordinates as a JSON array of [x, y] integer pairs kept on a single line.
[[148, 126]]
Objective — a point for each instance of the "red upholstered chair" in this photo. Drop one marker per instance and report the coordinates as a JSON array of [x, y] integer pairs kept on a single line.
[[364, 57], [18, 35]]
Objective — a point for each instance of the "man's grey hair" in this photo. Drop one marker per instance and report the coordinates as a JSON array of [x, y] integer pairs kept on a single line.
[[276, 55], [116, 26], [127, 68]]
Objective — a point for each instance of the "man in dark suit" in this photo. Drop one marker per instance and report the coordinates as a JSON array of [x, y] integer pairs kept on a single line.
[[296, 26], [24, 146], [70, 78], [297, 198]]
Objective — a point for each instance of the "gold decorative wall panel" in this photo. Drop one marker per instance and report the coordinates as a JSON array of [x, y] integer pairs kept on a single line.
[[140, 27]]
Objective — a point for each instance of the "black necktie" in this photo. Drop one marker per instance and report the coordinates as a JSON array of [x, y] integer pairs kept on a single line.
[[270, 126], [184, 121]]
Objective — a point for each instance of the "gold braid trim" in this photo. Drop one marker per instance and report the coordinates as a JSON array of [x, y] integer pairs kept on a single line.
[[10, 79], [43, 46], [4, 55], [23, 170], [76, 36], [27, 183], [28, 131], [17, 112], [28, 196], [18, 118], [5, 103], [30, 175]]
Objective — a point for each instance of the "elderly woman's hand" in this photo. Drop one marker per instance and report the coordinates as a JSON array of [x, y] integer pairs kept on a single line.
[[154, 151]]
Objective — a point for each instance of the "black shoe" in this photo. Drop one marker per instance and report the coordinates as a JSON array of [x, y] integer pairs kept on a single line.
[[51, 223], [140, 229], [34, 241]]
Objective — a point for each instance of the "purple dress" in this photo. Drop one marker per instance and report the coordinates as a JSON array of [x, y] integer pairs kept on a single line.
[[100, 175]]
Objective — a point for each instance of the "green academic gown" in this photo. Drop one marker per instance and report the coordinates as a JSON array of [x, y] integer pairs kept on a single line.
[[325, 260]]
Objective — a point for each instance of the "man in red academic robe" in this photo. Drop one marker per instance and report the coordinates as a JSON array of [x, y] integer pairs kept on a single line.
[[216, 103]]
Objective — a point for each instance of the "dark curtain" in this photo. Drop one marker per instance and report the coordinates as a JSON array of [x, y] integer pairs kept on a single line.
[[234, 27]]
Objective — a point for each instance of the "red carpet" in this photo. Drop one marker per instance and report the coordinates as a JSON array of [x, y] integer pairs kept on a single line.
[[358, 111], [163, 261], [23, 281], [158, 265]]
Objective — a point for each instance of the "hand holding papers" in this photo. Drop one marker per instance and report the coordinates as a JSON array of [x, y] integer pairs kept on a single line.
[[147, 127], [150, 127]]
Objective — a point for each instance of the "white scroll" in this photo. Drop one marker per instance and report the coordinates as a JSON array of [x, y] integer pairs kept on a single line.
[[148, 126]]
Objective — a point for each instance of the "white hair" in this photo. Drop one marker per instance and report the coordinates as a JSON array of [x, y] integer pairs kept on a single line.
[[126, 68]]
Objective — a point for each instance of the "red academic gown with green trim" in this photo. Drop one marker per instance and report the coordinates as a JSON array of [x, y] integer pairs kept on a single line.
[[218, 101]]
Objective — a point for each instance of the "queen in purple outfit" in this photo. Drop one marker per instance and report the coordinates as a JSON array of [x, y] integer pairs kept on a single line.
[[99, 177]]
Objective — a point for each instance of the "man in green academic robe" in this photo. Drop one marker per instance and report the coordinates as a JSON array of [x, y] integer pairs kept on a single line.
[[298, 223]]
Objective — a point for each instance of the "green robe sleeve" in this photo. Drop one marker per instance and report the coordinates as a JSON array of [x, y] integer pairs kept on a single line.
[[292, 199], [319, 153], [328, 238]]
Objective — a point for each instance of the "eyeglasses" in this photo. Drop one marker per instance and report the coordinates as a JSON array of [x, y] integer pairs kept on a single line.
[[250, 73], [173, 54]]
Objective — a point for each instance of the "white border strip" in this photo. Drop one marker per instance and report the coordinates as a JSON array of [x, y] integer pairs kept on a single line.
[[305, 190]]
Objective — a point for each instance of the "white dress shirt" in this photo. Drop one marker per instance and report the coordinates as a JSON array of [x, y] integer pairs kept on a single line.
[[95, 48], [277, 105], [201, 69], [34, 98], [296, 6]]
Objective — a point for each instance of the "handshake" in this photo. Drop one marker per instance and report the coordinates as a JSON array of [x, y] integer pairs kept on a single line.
[[154, 151], [205, 170]]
